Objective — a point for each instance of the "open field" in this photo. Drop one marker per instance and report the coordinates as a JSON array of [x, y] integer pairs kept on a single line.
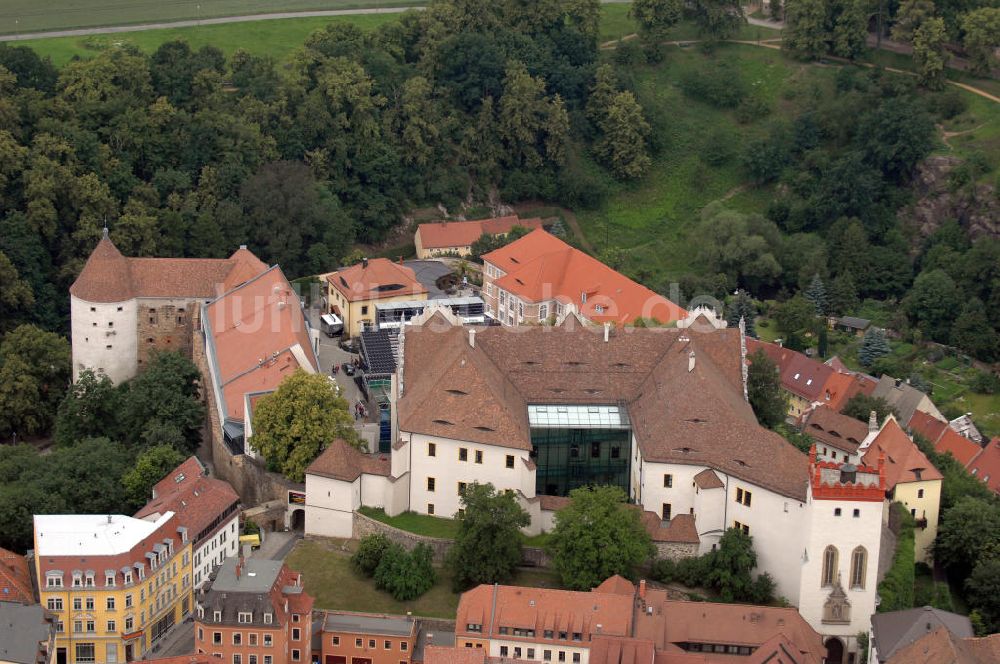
[[327, 575], [277, 38], [34, 16]]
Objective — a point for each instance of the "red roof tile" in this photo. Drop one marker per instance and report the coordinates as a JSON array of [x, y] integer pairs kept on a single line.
[[374, 279], [620, 650], [541, 267], [616, 585], [110, 277], [15, 579], [196, 658], [446, 234], [341, 461], [904, 462], [986, 466], [195, 498], [944, 439], [707, 479], [943, 647], [257, 336]]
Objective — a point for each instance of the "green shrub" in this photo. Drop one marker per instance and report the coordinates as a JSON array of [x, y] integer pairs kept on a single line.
[[896, 589], [405, 576], [371, 550], [985, 383]]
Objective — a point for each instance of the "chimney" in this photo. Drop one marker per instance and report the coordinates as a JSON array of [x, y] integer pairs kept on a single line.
[[400, 260], [872, 422], [690, 361], [642, 589], [364, 263], [109, 519], [243, 246], [472, 338], [607, 332]]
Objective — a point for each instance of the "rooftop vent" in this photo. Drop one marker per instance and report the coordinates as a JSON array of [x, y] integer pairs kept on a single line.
[[443, 422], [482, 428], [458, 393]]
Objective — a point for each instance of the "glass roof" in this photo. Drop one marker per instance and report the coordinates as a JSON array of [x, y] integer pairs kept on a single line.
[[577, 416]]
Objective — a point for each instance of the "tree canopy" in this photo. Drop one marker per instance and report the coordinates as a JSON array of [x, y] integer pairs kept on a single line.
[[597, 536], [295, 423], [487, 548], [768, 400]]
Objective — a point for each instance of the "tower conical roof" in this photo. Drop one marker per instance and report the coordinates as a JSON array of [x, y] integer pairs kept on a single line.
[[106, 276]]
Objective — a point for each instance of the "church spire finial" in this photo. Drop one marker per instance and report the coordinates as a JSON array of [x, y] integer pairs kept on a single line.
[[104, 232]]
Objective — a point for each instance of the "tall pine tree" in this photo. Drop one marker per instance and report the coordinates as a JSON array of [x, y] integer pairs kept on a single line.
[[816, 293], [873, 346], [742, 307]]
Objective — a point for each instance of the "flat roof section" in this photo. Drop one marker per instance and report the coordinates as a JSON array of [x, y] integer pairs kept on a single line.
[[256, 576], [361, 624], [92, 534]]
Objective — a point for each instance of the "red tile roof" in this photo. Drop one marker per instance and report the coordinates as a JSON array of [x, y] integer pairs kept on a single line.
[[943, 647], [446, 234], [15, 579], [620, 650], [195, 658], [453, 655], [904, 462], [110, 277], [944, 439], [986, 466], [616, 585], [800, 375], [707, 479], [542, 609], [341, 461], [541, 267], [375, 279], [195, 498], [675, 622], [257, 336]]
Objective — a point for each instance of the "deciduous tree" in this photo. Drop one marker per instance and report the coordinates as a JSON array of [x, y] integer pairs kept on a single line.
[[597, 536], [150, 467], [487, 548], [929, 53], [806, 33], [982, 34], [622, 147], [295, 423], [34, 372]]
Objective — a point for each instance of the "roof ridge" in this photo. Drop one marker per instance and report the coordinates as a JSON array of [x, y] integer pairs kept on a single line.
[[247, 283]]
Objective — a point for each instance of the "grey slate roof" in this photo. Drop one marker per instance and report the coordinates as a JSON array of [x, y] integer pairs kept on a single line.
[[257, 576], [853, 322], [22, 628], [903, 397], [897, 629], [361, 624]]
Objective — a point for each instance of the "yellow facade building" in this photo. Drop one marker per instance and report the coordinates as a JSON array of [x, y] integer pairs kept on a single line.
[[115, 583], [911, 479], [354, 292]]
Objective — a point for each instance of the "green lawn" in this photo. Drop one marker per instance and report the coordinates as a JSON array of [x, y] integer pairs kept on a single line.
[[421, 524], [615, 24], [277, 38], [33, 16], [327, 576]]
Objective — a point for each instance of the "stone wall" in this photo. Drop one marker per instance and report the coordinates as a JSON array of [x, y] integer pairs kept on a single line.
[[253, 482], [534, 556], [166, 325], [676, 550], [364, 526]]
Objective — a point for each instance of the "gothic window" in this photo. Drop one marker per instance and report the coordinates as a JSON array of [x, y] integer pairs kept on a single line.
[[859, 561], [829, 566]]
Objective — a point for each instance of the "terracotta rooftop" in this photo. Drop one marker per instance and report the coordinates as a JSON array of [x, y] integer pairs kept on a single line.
[[616, 585], [445, 234], [904, 462], [202, 658], [944, 439], [620, 650], [986, 465], [829, 427], [453, 655], [676, 622], [694, 415], [375, 278], [571, 612], [257, 335], [110, 277], [681, 528], [341, 461], [540, 267], [196, 499], [15, 578]]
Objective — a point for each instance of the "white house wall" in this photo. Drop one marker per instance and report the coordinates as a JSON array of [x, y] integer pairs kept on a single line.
[[448, 471], [495, 645], [330, 506], [214, 550], [374, 490]]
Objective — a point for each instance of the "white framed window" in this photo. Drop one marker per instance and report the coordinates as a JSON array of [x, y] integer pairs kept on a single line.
[[245, 617], [111, 626], [53, 580], [543, 311], [217, 616], [268, 618], [267, 638], [85, 652], [54, 604], [109, 580], [110, 603]]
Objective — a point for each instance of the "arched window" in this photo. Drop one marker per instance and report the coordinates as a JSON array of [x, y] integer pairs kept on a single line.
[[859, 562], [829, 566]]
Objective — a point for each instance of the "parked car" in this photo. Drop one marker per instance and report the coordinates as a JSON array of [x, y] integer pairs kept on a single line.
[[349, 368], [349, 345]]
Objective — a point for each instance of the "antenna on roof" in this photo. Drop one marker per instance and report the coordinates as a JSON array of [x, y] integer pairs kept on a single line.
[[104, 232]]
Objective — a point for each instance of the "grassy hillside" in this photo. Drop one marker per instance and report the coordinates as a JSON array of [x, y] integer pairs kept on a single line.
[[32, 15]]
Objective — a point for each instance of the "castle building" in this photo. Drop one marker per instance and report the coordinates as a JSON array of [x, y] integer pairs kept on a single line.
[[659, 412], [207, 507], [115, 584], [254, 611], [121, 309]]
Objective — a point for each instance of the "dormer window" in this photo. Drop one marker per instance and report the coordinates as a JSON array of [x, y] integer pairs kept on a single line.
[[77, 580], [89, 580], [245, 617], [109, 579], [128, 578], [217, 616], [268, 617], [53, 579]]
